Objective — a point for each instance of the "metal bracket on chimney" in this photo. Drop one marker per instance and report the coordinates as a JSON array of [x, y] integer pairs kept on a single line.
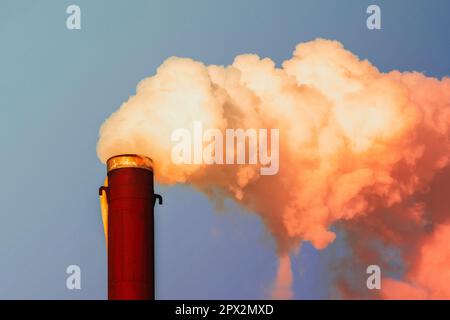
[[159, 198], [101, 189]]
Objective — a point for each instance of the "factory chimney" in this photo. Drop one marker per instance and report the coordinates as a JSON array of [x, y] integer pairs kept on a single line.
[[128, 200]]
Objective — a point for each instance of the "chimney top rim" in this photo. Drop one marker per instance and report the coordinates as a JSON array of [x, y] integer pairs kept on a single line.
[[129, 161]]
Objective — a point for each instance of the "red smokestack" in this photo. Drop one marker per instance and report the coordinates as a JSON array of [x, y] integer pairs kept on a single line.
[[130, 228]]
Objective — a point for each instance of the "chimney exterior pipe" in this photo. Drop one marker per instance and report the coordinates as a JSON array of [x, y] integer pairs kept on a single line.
[[131, 199]]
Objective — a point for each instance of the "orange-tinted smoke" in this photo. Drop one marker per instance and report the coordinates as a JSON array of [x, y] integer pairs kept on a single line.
[[281, 289], [352, 139], [429, 277]]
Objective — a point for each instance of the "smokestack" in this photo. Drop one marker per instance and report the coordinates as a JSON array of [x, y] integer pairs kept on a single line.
[[130, 227]]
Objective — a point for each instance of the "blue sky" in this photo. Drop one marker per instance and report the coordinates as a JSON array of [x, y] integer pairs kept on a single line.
[[58, 86]]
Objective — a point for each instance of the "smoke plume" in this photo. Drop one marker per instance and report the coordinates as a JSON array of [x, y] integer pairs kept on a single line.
[[360, 148]]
